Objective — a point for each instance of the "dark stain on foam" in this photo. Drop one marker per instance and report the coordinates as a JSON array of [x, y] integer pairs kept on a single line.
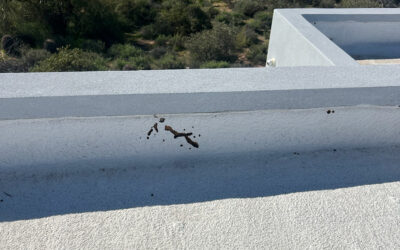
[[180, 134], [330, 111], [155, 126], [174, 132]]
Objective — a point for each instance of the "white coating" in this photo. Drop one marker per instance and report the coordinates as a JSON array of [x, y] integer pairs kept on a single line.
[[88, 94], [312, 161], [331, 37], [335, 200]]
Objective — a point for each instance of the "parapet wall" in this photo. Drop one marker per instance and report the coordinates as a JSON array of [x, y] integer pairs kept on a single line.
[[333, 37], [103, 119]]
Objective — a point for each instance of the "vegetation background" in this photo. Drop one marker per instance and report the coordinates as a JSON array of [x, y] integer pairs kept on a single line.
[[77, 35]]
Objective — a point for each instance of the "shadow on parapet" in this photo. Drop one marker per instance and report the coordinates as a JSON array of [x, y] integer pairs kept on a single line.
[[188, 181]]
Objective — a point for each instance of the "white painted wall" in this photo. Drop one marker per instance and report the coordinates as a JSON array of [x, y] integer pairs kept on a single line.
[[91, 94], [366, 36], [330, 37], [289, 47], [53, 120]]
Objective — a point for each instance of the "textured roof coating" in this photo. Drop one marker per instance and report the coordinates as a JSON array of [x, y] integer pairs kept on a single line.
[[194, 81], [327, 199], [316, 192]]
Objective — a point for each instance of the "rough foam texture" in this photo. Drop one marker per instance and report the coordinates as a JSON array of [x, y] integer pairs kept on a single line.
[[28, 145], [324, 199], [84, 94]]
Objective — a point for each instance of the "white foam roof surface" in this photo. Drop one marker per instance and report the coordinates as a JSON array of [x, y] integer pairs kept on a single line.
[[327, 199], [195, 81], [344, 198]]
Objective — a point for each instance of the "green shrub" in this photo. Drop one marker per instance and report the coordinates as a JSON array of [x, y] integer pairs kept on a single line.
[[132, 63], [118, 64], [181, 17], [135, 13], [71, 60], [360, 4], [169, 61], [31, 57], [12, 65], [249, 7], [212, 12], [177, 42], [124, 51], [96, 46], [230, 18], [262, 21], [215, 64], [158, 52], [246, 37], [149, 31], [215, 44], [162, 40], [97, 20], [32, 33], [327, 3], [257, 54], [140, 62]]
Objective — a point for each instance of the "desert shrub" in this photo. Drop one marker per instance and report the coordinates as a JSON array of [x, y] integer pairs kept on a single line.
[[215, 44], [96, 46], [135, 13], [257, 54], [124, 51], [119, 64], [215, 64], [95, 19], [149, 31], [162, 40], [212, 12], [230, 18], [71, 60], [249, 7], [246, 37], [132, 63], [177, 42], [327, 3], [12, 65], [180, 17], [158, 52], [169, 61], [34, 20], [262, 21], [140, 62], [32, 33], [31, 57], [360, 4]]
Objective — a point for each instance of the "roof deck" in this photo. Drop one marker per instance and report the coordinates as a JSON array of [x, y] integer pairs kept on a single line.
[[278, 157]]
